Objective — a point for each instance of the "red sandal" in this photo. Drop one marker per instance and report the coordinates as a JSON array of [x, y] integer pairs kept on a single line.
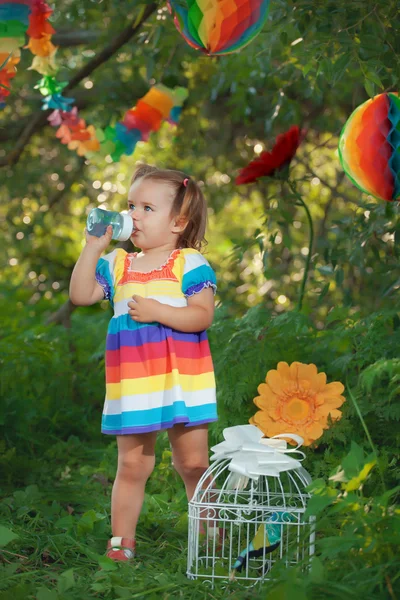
[[121, 549]]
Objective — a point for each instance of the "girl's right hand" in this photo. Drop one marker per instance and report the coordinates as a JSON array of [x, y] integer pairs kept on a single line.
[[99, 243]]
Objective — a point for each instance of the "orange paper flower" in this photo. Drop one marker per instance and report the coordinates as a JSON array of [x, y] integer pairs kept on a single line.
[[89, 145], [297, 399], [42, 46]]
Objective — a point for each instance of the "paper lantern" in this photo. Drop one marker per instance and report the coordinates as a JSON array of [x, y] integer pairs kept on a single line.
[[14, 20], [220, 26], [369, 147]]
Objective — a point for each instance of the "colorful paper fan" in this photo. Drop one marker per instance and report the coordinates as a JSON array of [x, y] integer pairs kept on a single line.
[[220, 26], [369, 147]]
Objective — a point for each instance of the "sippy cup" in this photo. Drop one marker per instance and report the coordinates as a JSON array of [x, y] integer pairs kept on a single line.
[[99, 219]]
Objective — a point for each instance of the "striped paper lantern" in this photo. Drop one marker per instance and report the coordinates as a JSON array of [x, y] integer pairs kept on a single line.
[[219, 26], [369, 147], [14, 21]]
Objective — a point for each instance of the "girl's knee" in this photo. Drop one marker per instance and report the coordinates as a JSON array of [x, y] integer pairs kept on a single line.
[[191, 467], [138, 468]]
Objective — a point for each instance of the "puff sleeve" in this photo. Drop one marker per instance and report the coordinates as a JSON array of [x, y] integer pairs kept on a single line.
[[107, 272], [197, 274]]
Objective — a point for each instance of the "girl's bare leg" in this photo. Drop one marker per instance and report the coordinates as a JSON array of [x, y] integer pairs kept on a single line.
[[190, 458], [189, 454], [135, 464]]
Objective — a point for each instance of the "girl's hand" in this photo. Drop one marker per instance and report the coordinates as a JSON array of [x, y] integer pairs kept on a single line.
[[99, 243], [144, 310]]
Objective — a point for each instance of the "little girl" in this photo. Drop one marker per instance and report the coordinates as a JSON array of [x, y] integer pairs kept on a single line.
[[159, 372]]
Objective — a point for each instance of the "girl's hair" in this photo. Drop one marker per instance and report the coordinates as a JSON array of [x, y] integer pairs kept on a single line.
[[189, 203]]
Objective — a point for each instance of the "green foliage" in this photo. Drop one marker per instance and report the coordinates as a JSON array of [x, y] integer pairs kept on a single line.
[[309, 66], [349, 346], [357, 536], [314, 62], [54, 536], [383, 373]]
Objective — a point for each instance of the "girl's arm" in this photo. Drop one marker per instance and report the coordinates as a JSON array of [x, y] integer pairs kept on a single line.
[[196, 316], [83, 288]]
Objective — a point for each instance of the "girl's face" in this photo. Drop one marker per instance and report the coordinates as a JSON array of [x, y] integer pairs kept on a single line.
[[150, 206]]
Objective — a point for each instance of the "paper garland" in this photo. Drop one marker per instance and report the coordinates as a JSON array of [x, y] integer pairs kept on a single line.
[[158, 105], [219, 26], [369, 147], [31, 16]]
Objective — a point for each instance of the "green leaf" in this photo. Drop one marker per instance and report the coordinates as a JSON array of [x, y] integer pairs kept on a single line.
[[354, 461], [337, 314], [66, 581], [307, 68], [6, 536], [318, 486], [139, 15], [100, 587], [106, 563], [323, 293], [369, 88], [339, 276], [45, 594], [325, 68], [287, 591], [317, 570], [88, 520], [374, 78], [65, 522], [317, 504], [340, 66], [9, 570]]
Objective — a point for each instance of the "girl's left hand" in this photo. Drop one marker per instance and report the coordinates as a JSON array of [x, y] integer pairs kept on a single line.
[[144, 310]]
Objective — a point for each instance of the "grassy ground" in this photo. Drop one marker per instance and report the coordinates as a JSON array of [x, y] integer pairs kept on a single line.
[[60, 524], [55, 523]]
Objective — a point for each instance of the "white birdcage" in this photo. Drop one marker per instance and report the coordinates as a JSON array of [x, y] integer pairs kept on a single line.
[[248, 509]]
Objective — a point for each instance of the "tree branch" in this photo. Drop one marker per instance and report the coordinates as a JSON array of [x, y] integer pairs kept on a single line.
[[83, 99], [62, 316], [39, 119], [66, 39]]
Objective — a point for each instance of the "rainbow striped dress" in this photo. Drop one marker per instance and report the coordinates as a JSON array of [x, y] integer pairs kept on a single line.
[[155, 376]]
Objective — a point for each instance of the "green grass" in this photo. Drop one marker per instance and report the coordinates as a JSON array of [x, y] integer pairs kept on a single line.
[[53, 535], [61, 525], [57, 469]]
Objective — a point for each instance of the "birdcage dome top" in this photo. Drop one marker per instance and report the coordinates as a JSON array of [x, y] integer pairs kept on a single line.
[[249, 469]]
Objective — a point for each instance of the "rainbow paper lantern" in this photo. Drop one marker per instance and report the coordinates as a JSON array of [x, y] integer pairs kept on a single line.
[[218, 27], [14, 21], [369, 147]]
